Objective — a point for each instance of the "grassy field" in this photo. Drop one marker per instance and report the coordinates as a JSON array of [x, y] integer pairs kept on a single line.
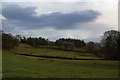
[[19, 66], [26, 49]]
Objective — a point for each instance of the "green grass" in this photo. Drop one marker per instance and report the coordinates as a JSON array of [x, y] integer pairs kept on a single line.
[[26, 49], [19, 66]]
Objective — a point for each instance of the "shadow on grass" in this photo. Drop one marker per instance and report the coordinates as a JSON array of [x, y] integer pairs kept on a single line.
[[55, 57]]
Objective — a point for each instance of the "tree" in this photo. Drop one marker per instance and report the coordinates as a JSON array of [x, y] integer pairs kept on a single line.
[[94, 48], [90, 46], [18, 37], [65, 43], [23, 39], [36, 41], [69, 43], [1, 39], [97, 48], [109, 42], [59, 44], [118, 47], [8, 41]]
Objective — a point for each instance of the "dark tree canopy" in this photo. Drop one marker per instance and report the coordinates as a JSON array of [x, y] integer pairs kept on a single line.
[[35, 41], [109, 42], [69, 44], [9, 41]]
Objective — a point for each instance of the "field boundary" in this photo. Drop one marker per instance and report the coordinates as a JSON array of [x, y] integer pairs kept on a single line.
[[55, 57]]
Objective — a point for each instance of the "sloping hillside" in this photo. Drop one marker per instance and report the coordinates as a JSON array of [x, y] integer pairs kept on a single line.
[[19, 66], [43, 51]]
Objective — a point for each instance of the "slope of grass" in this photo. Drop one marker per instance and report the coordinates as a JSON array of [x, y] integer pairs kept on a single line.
[[19, 66], [26, 49]]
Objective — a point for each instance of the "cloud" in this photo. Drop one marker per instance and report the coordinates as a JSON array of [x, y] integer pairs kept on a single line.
[[60, 0], [26, 18]]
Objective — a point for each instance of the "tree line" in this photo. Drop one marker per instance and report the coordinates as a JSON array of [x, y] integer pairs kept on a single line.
[[108, 48], [62, 43], [9, 41], [35, 41], [69, 44]]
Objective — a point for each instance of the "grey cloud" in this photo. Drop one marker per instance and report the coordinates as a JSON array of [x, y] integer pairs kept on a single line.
[[25, 18]]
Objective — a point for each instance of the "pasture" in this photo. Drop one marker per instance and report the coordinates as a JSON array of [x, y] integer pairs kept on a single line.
[[19, 66]]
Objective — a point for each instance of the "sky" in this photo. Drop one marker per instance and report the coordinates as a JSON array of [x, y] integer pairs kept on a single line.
[[86, 20]]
